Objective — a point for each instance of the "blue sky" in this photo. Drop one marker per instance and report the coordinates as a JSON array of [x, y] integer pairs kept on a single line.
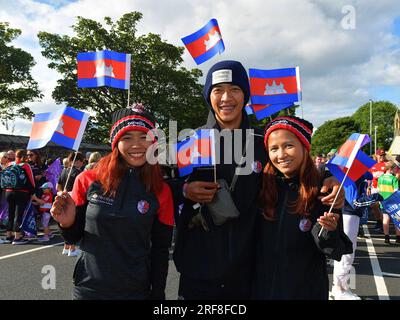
[[341, 67]]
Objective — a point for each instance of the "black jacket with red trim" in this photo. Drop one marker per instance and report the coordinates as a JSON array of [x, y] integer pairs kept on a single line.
[[125, 240]]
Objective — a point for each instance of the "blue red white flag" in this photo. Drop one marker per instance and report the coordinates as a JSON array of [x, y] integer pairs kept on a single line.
[[205, 43], [278, 86], [391, 206], [262, 111], [348, 151], [64, 127], [104, 68], [350, 158], [196, 151]]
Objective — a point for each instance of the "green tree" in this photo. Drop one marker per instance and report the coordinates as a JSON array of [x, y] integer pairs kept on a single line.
[[16, 83], [383, 113], [158, 80], [332, 134]]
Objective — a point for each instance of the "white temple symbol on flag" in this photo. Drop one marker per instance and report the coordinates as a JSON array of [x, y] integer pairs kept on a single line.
[[274, 89], [104, 71], [213, 40], [195, 154], [60, 128]]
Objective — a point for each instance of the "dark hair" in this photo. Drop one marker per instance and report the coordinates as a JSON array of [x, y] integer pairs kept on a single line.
[[308, 188], [21, 154], [38, 159], [79, 157]]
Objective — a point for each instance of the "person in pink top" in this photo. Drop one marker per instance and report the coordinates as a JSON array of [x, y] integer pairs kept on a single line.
[[19, 184]]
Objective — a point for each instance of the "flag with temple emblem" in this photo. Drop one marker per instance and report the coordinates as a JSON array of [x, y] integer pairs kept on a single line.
[[353, 161], [104, 68], [196, 151], [64, 127], [205, 43], [277, 86]]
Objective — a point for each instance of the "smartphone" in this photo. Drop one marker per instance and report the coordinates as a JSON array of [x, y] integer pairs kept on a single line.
[[202, 174]]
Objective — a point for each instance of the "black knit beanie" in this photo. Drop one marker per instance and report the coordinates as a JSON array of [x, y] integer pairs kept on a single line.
[[127, 119], [228, 71]]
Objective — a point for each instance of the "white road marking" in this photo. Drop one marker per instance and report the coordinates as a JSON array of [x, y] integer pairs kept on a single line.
[[29, 251], [376, 269], [391, 274]]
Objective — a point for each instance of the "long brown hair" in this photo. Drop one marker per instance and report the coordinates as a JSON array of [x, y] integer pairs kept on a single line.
[[111, 169], [309, 179]]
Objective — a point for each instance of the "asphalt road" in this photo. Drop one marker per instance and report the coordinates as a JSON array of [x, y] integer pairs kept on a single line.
[[38, 271]]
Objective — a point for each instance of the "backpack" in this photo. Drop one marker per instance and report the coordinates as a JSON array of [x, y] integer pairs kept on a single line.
[[14, 177]]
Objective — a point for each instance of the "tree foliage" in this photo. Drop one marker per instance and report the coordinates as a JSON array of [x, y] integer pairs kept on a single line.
[[383, 113], [168, 90], [332, 134], [16, 83]]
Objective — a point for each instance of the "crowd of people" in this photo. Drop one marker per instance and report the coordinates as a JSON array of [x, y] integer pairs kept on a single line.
[[24, 181], [121, 210]]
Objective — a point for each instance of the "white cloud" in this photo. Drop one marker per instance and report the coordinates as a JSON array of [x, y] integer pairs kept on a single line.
[[338, 66]]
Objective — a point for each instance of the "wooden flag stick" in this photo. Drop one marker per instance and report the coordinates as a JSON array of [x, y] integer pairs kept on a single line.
[[337, 194]]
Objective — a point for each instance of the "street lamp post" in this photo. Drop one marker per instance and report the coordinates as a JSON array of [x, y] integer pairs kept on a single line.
[[376, 127], [370, 126]]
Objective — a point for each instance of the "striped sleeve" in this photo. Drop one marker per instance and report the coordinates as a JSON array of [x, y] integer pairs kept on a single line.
[[81, 186], [166, 211], [29, 172]]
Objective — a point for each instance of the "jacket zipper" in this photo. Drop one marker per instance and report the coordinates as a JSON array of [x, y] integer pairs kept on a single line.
[[278, 239], [125, 189]]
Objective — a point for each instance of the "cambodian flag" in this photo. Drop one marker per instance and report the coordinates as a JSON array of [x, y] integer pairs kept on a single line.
[[350, 158], [196, 151], [205, 43], [104, 68], [278, 86], [262, 111], [64, 127]]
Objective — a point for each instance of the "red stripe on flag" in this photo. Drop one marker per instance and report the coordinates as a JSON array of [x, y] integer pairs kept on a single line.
[[70, 127], [198, 47], [39, 129], [356, 170], [259, 107], [87, 69], [204, 147], [200, 146], [346, 149], [258, 85]]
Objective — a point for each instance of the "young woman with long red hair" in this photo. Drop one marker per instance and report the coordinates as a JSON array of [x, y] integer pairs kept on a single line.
[[122, 213], [291, 262]]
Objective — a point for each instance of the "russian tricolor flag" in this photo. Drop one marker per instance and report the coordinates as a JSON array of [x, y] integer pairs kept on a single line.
[[350, 158], [104, 68], [64, 127], [196, 151], [205, 43], [278, 86]]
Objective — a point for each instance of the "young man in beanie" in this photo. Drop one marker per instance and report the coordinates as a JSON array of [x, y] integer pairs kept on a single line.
[[217, 261]]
